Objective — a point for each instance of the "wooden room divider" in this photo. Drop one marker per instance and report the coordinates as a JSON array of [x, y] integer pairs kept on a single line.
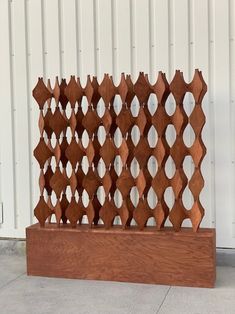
[[99, 248]]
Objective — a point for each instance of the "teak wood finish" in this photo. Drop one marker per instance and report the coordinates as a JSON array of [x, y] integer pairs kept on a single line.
[[149, 254], [72, 151], [182, 258]]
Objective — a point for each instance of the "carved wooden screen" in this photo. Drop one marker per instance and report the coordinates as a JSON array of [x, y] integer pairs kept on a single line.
[[69, 151]]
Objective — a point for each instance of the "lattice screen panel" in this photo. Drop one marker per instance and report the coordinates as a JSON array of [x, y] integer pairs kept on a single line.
[[61, 151]]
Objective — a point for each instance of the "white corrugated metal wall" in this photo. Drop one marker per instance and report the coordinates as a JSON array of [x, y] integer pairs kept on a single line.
[[63, 37]]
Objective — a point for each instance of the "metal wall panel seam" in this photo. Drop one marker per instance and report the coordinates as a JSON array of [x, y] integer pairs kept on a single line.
[[133, 39], [68, 38], [200, 60], [171, 60], [152, 43], [96, 38], [13, 109], [7, 142], [211, 97], [43, 40], [231, 13], [114, 41], [60, 27], [52, 39], [78, 37], [36, 70], [29, 102], [223, 167], [21, 114]]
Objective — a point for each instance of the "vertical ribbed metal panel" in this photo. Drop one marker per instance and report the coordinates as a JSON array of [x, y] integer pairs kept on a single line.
[[64, 37]]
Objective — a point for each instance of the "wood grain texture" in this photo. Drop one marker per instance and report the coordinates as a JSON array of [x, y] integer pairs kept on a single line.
[[148, 256]]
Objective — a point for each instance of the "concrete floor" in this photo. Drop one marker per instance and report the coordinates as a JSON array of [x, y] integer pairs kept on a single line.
[[33, 295]]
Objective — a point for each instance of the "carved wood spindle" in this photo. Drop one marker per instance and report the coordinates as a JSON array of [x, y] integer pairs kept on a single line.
[[58, 124], [63, 146], [90, 182], [74, 153], [160, 120], [178, 151], [42, 152], [198, 150], [142, 152], [49, 131], [107, 152], [125, 181]]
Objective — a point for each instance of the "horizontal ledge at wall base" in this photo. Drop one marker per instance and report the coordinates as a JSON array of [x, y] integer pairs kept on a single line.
[[164, 257]]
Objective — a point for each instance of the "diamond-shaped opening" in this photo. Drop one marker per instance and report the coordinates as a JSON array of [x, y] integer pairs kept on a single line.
[[53, 140], [69, 169], [117, 138], [53, 105], [152, 104], [52, 218], [100, 108], [169, 197], [135, 135], [152, 166], [135, 107], [134, 168], [101, 168], [85, 198], [118, 200], [84, 105], [53, 198], [118, 165], [151, 221], [188, 136], [187, 198], [134, 196], [170, 167], [188, 103], [117, 104], [170, 135], [85, 164], [152, 137], [85, 139], [101, 133], [101, 195], [170, 105], [76, 195], [188, 166], [117, 220], [68, 134], [133, 223], [53, 164], [68, 111], [186, 223], [152, 198]]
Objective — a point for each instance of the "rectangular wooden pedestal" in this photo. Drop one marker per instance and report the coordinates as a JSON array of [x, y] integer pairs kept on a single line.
[[149, 256]]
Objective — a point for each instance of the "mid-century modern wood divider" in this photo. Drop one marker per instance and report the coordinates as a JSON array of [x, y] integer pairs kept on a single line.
[[101, 249]]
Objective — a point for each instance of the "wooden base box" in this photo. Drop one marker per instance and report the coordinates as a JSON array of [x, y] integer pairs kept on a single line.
[[164, 257]]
